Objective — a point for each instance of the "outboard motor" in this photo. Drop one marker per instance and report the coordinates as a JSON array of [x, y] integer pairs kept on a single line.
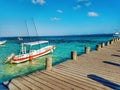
[[10, 58]]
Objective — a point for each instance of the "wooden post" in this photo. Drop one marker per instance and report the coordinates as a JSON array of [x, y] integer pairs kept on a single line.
[[117, 39], [108, 43], [114, 40], [111, 41], [98, 47], [48, 63], [87, 50], [74, 55], [102, 45]]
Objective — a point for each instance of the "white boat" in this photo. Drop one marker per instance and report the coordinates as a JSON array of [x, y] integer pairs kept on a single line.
[[20, 38], [3, 42], [32, 54], [26, 55], [116, 35]]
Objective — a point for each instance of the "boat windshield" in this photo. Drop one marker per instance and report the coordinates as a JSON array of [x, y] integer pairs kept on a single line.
[[27, 47]]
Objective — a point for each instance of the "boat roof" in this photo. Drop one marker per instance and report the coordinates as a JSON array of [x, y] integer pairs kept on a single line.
[[35, 43]]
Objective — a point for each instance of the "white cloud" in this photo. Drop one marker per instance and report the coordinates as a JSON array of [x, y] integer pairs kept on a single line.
[[93, 14], [41, 2], [55, 19], [77, 7], [59, 11], [88, 4]]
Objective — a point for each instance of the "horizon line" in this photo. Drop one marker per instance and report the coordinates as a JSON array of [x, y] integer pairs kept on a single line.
[[60, 35]]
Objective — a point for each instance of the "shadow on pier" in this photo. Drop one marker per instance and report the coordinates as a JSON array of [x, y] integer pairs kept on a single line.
[[111, 63], [115, 55], [103, 81], [118, 50]]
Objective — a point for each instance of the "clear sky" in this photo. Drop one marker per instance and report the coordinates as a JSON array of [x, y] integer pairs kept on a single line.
[[59, 17]]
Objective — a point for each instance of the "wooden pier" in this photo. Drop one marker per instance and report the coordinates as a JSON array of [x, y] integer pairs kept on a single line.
[[90, 71]]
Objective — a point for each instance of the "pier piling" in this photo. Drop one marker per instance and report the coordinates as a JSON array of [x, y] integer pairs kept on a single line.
[[74, 55], [108, 43], [87, 50], [48, 63], [98, 47], [111, 42], [102, 45]]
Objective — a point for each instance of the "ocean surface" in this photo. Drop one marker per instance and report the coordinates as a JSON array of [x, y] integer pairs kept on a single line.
[[64, 46]]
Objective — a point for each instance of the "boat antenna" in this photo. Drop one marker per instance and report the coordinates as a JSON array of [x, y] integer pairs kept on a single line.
[[28, 33], [27, 29], [36, 30], [35, 27]]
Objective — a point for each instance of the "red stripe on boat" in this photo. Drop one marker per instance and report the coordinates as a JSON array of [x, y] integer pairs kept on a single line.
[[31, 57]]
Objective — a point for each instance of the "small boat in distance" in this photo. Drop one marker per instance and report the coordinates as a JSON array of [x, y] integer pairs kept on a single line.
[[116, 35], [3, 42], [32, 54], [20, 38]]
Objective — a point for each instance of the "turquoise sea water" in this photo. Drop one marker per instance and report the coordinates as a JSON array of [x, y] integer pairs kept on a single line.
[[64, 45]]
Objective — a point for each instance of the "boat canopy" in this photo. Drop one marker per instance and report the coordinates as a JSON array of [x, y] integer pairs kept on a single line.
[[35, 43]]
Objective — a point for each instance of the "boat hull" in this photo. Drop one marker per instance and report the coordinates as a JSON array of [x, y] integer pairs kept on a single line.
[[2, 42], [33, 54]]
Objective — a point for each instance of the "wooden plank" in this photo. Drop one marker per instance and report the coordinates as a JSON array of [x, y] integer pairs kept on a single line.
[[68, 83], [36, 83], [94, 63], [72, 80], [53, 80], [28, 84], [20, 85], [11, 86], [79, 77], [44, 82], [113, 77], [88, 69], [90, 64]]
